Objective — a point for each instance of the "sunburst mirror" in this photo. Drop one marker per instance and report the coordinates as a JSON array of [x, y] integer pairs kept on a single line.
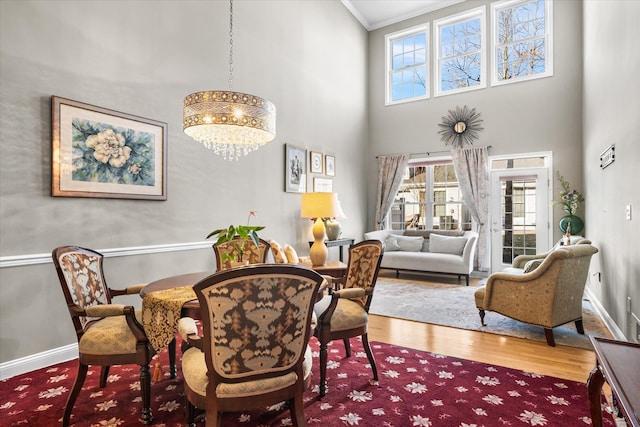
[[461, 126]]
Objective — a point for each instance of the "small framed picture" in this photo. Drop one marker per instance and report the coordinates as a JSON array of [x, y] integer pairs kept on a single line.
[[322, 185], [316, 162], [330, 165], [295, 165]]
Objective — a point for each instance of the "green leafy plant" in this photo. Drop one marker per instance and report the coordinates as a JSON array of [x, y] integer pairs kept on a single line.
[[245, 234], [569, 198]]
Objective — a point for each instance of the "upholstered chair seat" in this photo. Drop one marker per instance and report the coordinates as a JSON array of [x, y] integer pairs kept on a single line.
[[110, 335], [347, 315]]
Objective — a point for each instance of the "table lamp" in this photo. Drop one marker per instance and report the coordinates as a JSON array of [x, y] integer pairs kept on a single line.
[[318, 206]]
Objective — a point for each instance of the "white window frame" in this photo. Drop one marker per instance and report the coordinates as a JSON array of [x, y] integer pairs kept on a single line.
[[480, 13], [498, 6], [389, 39]]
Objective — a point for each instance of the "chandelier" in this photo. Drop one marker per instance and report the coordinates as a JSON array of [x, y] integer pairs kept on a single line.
[[232, 124]]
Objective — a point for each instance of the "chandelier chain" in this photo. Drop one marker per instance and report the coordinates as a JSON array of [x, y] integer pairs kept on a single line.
[[230, 44]]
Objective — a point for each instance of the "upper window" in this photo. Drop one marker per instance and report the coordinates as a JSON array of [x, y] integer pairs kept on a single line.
[[407, 65], [460, 52], [522, 40]]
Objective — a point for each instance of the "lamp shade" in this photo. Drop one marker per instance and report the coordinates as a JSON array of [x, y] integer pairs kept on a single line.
[[319, 205]]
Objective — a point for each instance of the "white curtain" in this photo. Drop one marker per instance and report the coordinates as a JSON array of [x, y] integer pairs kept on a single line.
[[390, 170], [472, 169]]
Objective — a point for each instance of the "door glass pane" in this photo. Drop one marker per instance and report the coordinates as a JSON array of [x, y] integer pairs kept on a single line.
[[518, 218]]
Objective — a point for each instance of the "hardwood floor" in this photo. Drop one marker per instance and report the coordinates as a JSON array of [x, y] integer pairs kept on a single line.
[[570, 363], [561, 361]]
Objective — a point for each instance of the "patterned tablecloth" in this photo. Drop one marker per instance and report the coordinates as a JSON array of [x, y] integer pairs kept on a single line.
[[161, 312]]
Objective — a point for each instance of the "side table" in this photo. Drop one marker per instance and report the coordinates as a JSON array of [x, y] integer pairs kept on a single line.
[[339, 243], [617, 362]]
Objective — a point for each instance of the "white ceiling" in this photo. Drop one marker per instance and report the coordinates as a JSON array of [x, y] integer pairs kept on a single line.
[[374, 14]]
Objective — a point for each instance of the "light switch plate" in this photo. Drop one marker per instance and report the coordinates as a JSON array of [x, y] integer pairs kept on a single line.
[[627, 210]]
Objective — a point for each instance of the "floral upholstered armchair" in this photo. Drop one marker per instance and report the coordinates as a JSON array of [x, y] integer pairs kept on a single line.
[[548, 296], [250, 253], [254, 351]]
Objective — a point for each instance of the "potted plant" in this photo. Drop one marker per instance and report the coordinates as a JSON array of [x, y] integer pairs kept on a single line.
[[246, 235], [569, 200]]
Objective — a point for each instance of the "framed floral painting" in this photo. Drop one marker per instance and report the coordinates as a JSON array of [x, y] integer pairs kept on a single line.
[[97, 152]]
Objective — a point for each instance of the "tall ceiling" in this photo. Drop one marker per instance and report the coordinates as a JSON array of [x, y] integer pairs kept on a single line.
[[374, 14]]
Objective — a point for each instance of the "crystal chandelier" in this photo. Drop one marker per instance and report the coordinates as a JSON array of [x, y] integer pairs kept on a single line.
[[232, 124]]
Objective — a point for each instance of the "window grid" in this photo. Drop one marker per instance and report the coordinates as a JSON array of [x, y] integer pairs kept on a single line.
[[460, 49], [407, 64], [522, 40]]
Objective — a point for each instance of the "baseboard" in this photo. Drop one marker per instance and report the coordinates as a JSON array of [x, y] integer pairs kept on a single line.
[[608, 321], [38, 361]]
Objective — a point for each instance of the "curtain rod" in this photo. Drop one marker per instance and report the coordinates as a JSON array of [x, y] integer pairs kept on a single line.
[[428, 153]]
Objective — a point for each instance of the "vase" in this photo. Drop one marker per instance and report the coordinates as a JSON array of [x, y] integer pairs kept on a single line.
[[575, 222], [333, 229]]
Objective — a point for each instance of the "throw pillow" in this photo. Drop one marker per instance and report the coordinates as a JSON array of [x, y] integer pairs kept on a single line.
[[410, 243], [446, 244], [391, 243], [292, 256], [278, 253], [532, 265]]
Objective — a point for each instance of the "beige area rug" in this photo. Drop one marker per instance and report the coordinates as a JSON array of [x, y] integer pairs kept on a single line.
[[451, 304]]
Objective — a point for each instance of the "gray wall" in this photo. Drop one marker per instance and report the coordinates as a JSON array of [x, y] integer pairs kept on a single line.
[[612, 116], [142, 58], [539, 115]]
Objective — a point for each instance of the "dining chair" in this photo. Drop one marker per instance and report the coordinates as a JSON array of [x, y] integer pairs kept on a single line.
[[253, 254], [254, 350], [108, 334], [344, 312]]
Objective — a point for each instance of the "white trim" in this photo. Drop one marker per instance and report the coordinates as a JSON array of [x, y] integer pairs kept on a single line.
[[479, 12], [35, 259], [38, 361], [608, 321]]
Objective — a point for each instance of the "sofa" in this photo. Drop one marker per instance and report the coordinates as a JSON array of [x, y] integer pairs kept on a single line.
[[428, 251]]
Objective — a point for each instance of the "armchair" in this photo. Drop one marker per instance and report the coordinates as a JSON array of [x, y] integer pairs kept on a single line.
[[344, 313], [253, 254], [548, 296], [254, 351], [108, 334]]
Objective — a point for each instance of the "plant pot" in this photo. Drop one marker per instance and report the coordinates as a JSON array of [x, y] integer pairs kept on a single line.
[[576, 223]]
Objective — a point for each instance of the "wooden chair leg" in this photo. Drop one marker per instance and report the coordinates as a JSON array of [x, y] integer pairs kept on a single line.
[[482, 313], [71, 400], [172, 358], [190, 411], [145, 388], [347, 346], [323, 368], [548, 333], [579, 326], [372, 360], [104, 374], [296, 408]]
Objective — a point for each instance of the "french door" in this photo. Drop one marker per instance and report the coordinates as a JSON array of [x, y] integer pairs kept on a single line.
[[520, 208]]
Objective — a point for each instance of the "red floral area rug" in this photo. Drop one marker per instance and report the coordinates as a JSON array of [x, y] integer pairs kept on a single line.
[[415, 389]]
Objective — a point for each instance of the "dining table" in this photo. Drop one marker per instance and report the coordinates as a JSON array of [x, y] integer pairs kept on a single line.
[[166, 300]]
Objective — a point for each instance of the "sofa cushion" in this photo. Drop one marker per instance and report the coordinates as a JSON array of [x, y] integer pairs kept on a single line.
[[447, 244], [391, 243], [278, 253], [532, 265], [410, 243], [290, 253]]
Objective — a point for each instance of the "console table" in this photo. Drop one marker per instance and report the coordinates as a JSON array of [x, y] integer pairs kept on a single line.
[[339, 243], [617, 362]]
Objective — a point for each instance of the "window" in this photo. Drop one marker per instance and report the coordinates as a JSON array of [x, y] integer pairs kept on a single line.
[[429, 198], [460, 52], [522, 42], [406, 59]]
